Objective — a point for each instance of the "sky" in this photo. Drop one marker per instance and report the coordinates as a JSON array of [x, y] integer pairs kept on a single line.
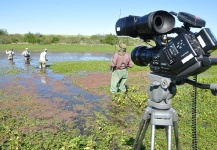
[[91, 17]]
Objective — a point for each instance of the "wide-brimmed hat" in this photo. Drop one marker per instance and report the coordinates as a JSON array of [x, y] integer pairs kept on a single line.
[[122, 46], [122, 49], [45, 49]]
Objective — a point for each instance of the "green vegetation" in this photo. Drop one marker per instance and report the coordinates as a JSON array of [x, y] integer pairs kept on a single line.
[[38, 38], [57, 43], [127, 111], [7, 71], [112, 128], [72, 68], [77, 67]]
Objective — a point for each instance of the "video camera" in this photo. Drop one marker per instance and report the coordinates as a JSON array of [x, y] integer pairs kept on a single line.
[[184, 55]]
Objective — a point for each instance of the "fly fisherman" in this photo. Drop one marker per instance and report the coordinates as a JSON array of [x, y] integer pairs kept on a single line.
[[10, 54], [119, 64], [26, 54], [43, 59]]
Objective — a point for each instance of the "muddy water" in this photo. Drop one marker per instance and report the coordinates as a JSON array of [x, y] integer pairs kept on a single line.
[[47, 84]]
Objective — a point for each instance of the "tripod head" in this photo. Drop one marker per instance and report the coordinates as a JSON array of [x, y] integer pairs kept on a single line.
[[161, 90]]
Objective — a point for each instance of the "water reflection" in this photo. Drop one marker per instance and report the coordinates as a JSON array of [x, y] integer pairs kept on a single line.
[[27, 61], [44, 80], [11, 63], [43, 76], [26, 65]]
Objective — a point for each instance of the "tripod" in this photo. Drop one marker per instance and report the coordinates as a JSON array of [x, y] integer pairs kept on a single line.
[[159, 112]]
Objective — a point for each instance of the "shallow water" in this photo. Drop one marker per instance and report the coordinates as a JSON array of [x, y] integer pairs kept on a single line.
[[52, 57], [46, 81]]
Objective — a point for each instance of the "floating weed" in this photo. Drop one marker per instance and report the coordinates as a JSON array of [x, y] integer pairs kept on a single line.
[[8, 71]]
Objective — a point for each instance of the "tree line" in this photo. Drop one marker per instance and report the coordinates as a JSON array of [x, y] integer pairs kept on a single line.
[[38, 38]]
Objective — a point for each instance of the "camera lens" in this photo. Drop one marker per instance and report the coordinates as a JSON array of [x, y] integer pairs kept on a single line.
[[142, 55]]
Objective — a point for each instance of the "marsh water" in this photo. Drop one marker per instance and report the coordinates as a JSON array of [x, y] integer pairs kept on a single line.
[[45, 82], [52, 57]]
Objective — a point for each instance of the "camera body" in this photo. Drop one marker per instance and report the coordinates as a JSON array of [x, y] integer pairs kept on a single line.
[[184, 55]]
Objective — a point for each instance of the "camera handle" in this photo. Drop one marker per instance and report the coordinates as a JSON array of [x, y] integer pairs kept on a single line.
[[159, 112], [212, 87]]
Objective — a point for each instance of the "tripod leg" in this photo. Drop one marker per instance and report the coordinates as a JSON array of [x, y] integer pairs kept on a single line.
[[152, 137], [176, 135], [169, 137], [138, 133], [141, 134]]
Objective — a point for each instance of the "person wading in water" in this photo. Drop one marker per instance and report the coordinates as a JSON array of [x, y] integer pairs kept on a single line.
[[119, 64]]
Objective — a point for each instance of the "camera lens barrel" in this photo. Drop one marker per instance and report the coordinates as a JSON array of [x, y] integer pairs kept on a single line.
[[158, 22], [142, 55]]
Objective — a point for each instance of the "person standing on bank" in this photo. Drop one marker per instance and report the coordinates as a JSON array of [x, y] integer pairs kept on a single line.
[[26, 54], [10, 54], [43, 59], [119, 65]]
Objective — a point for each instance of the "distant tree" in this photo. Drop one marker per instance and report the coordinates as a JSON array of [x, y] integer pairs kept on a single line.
[[17, 38], [81, 38], [96, 39], [14, 40], [110, 39], [73, 40], [30, 38], [5, 39], [39, 38], [10, 38], [39, 35], [55, 39], [33, 38], [3, 32]]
